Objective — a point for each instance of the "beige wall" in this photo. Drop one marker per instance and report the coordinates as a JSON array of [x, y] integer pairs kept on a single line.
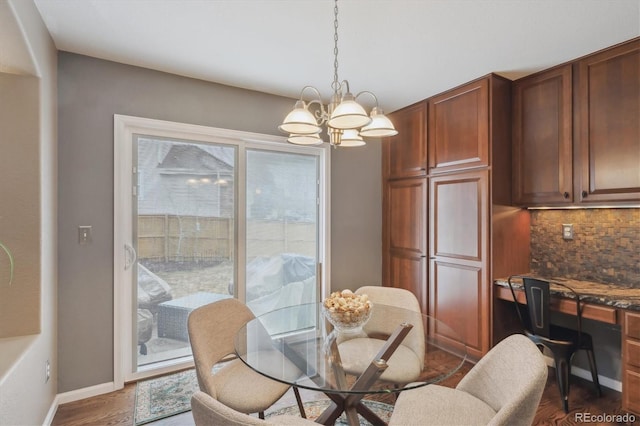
[[91, 91], [25, 398]]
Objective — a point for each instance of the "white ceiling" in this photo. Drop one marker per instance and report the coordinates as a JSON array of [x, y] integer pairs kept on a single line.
[[402, 50]]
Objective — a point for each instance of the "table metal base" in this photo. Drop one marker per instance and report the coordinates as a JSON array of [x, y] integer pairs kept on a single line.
[[351, 403]]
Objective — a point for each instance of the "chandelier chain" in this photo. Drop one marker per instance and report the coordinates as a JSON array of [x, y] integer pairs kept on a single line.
[[335, 85]]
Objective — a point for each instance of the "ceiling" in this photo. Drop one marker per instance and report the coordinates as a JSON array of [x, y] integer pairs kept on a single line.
[[402, 50]]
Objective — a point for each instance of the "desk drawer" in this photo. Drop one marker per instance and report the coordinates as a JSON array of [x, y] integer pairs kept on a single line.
[[632, 324], [631, 390], [632, 352], [591, 311]]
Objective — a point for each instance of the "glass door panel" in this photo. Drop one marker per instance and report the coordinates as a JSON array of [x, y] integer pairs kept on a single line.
[[281, 229], [184, 239]]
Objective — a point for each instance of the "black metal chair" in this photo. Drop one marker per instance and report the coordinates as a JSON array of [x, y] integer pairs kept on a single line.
[[561, 341]]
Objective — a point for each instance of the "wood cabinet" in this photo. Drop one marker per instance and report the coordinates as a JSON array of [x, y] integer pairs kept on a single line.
[[405, 236], [473, 231], [631, 362], [576, 131], [405, 155], [607, 125], [459, 278], [459, 128], [542, 138]]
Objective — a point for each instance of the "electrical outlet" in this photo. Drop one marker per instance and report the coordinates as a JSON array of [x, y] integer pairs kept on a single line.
[[47, 371], [567, 231]]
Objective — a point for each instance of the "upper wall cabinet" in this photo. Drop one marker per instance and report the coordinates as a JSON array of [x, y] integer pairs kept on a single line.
[[576, 131], [459, 128], [542, 145], [607, 125], [405, 155]]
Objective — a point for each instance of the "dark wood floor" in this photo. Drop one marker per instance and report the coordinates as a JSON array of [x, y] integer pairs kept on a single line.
[[117, 408]]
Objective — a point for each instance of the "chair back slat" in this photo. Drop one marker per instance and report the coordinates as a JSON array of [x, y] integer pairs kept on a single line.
[[537, 295]]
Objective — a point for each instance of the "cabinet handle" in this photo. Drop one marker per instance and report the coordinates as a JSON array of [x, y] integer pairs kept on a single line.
[[584, 194], [566, 195], [432, 258]]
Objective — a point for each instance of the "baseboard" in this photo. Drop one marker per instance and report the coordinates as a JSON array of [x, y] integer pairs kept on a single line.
[[76, 395], [607, 382], [83, 393], [52, 412]]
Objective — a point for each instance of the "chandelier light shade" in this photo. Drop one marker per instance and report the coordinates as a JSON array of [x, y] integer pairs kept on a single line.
[[351, 138], [380, 125], [300, 121], [348, 114], [313, 139], [346, 120]]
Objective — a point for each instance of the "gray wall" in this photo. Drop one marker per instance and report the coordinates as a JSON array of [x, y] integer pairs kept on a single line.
[[90, 92], [356, 216]]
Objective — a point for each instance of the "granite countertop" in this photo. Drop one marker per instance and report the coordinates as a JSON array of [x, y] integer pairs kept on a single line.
[[589, 292]]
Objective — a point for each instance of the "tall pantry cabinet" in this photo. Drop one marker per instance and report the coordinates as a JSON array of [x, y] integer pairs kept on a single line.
[[473, 234], [404, 228]]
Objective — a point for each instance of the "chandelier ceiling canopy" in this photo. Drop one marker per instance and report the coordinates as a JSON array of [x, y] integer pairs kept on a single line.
[[346, 120]]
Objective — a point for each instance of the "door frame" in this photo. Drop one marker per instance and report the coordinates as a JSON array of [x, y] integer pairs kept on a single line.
[[124, 129]]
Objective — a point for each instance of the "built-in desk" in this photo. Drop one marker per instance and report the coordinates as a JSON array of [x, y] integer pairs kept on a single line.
[[608, 303]]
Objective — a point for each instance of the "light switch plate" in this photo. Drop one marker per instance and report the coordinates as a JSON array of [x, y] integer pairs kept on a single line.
[[567, 231], [84, 234]]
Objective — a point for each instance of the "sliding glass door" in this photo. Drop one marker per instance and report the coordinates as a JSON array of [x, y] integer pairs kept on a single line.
[[184, 237], [281, 229], [212, 214]]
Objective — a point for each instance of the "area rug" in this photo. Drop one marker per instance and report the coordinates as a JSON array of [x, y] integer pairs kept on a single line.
[[164, 396], [313, 409], [170, 395]]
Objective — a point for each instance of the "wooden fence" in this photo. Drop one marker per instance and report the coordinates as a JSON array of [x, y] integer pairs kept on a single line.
[[170, 238]]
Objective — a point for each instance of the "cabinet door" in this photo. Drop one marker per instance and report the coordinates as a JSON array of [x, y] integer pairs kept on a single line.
[[459, 291], [459, 128], [608, 125], [405, 154], [542, 138], [631, 362], [405, 236]]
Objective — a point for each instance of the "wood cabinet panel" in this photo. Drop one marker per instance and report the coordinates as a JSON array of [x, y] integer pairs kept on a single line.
[[632, 352], [409, 272], [406, 214], [459, 128], [632, 325], [457, 298], [405, 236], [405, 155], [631, 390], [542, 138], [459, 290], [457, 212], [631, 362], [607, 125]]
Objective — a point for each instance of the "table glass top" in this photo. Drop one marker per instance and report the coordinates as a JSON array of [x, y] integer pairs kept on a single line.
[[395, 349]]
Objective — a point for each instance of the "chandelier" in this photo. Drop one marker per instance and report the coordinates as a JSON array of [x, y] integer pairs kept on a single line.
[[346, 120]]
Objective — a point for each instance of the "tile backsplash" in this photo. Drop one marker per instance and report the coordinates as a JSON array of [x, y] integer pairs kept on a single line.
[[605, 246]]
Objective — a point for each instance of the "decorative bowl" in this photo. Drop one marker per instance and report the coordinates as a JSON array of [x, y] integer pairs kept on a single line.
[[346, 311]]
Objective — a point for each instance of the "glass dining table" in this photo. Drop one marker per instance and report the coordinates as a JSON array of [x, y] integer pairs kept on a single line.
[[395, 350]]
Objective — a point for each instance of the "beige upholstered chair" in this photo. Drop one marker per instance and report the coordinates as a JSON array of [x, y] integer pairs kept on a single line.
[[407, 362], [212, 329], [208, 411], [503, 388]]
